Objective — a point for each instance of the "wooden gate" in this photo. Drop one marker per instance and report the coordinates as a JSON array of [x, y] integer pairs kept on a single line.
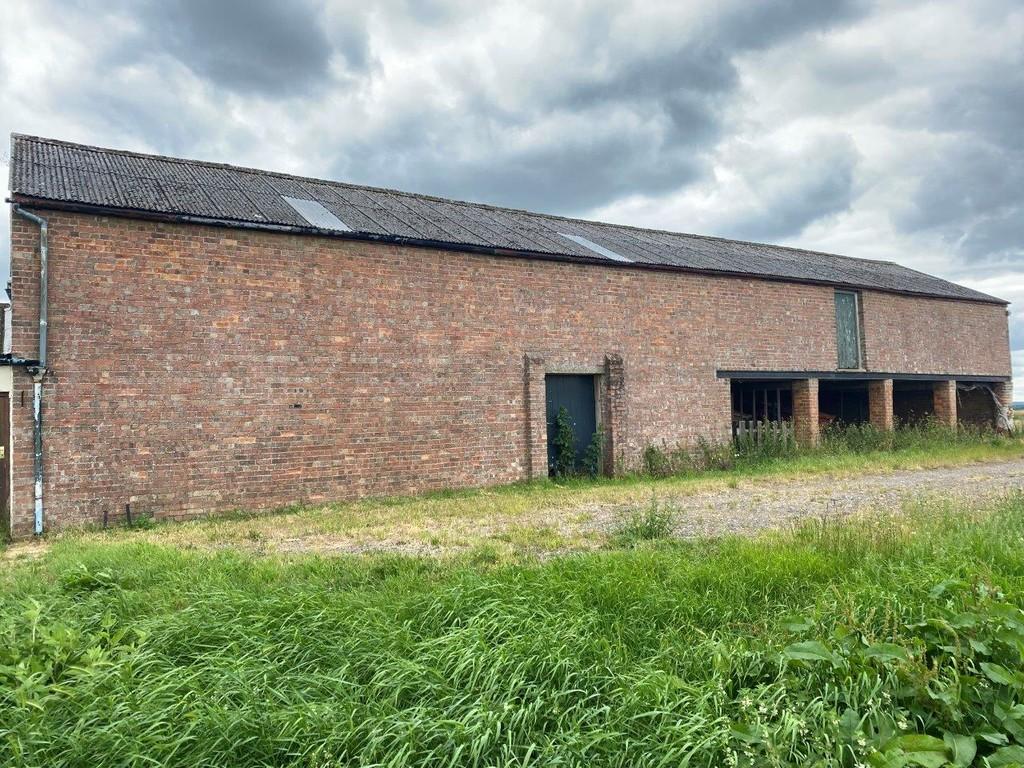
[[760, 431]]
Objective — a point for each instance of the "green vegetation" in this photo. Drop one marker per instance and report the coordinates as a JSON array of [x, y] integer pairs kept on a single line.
[[887, 643], [545, 516], [564, 443], [593, 457], [924, 438], [925, 435], [649, 523]]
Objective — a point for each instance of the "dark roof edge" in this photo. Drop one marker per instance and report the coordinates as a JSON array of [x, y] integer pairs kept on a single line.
[[135, 213]]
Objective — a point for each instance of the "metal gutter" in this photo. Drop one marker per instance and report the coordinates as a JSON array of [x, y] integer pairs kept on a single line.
[[855, 376], [38, 370], [135, 213]]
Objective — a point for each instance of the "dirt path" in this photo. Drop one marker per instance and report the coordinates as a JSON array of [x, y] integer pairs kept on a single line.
[[754, 506]]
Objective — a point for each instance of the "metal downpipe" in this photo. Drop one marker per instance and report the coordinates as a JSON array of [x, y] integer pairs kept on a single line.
[[39, 371]]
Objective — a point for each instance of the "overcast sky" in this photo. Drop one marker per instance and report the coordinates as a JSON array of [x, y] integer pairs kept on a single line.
[[890, 130]]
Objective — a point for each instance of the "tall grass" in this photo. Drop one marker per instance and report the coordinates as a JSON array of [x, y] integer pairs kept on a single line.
[[838, 644], [839, 440], [923, 435], [649, 523]]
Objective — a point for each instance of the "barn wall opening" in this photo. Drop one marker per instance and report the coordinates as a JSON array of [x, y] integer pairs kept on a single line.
[[843, 402], [976, 405], [756, 405], [913, 401]]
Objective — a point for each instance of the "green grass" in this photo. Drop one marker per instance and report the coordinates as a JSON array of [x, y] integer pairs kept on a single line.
[[542, 516], [835, 645]]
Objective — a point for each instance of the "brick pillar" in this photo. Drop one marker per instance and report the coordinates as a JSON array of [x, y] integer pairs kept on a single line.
[[880, 404], [944, 394], [805, 412], [1003, 390], [536, 418], [614, 411]]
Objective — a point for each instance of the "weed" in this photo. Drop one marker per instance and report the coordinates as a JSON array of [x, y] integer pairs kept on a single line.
[[654, 521], [656, 462], [565, 445], [593, 458]]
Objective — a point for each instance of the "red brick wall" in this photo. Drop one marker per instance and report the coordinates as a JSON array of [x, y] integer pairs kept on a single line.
[[908, 335], [178, 352]]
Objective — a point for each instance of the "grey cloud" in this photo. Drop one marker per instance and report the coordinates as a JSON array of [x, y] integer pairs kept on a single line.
[[566, 175], [760, 25], [966, 179], [991, 106], [997, 237], [250, 46], [973, 193], [690, 81], [793, 190], [688, 87], [135, 120], [425, 12]]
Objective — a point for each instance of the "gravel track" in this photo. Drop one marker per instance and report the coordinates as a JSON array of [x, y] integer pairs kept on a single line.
[[759, 505]]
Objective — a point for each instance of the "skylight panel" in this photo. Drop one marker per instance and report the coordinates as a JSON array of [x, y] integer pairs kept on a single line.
[[591, 245], [316, 214]]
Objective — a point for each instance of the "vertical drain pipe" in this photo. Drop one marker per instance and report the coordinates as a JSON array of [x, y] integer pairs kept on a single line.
[[39, 370]]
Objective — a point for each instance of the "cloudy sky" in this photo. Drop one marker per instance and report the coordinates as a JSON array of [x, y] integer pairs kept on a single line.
[[890, 130]]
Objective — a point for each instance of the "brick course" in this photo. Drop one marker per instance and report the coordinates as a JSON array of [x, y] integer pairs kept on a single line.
[[200, 369]]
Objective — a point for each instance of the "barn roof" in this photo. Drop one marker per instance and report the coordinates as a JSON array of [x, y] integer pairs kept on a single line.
[[61, 174]]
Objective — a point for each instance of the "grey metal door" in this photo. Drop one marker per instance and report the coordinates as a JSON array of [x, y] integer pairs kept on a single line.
[[575, 393]]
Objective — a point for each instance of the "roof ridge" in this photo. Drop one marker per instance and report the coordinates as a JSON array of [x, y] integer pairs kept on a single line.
[[438, 198]]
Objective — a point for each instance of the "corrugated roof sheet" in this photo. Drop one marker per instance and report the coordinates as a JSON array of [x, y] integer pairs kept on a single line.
[[57, 171]]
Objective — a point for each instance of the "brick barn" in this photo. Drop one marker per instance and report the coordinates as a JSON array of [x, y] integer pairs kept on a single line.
[[216, 338]]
